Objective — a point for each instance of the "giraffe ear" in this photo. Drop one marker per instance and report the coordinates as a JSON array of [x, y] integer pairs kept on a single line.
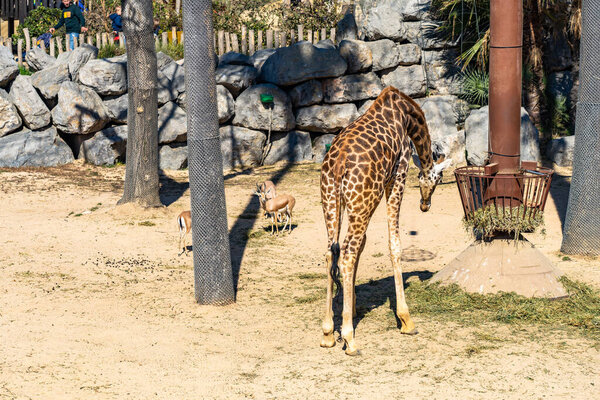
[[417, 161]]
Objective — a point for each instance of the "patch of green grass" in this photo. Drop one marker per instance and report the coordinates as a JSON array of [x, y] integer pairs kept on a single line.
[[78, 215], [24, 71], [566, 258], [146, 223], [377, 255], [581, 310], [116, 164], [312, 275], [311, 298]]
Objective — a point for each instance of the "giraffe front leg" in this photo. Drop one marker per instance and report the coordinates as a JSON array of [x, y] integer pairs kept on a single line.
[[408, 326], [328, 340], [347, 269]]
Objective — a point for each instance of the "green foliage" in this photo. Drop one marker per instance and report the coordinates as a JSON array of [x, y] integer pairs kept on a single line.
[[175, 51], [97, 20], [110, 50], [559, 121], [487, 220], [24, 71], [164, 11], [39, 21], [581, 309], [313, 15], [476, 85]]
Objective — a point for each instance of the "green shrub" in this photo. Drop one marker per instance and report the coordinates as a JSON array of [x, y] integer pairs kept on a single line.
[[175, 51], [39, 21], [476, 86], [111, 50]]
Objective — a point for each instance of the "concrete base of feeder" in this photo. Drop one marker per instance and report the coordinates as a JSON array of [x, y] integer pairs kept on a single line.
[[503, 265]]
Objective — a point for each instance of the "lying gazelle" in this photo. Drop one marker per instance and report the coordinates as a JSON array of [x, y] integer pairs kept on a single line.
[[184, 220], [268, 188]]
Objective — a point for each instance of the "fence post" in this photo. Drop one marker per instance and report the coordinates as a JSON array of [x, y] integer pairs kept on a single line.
[[244, 43], [27, 39], [104, 39], [315, 37], [98, 40], [81, 38], [182, 37], [234, 43], [221, 38], [309, 35], [59, 44], [260, 41], [250, 42], [300, 33], [227, 42], [174, 35], [52, 47], [323, 34], [165, 39], [20, 52], [156, 42], [332, 35], [283, 40], [292, 38], [89, 40], [276, 38], [269, 39]]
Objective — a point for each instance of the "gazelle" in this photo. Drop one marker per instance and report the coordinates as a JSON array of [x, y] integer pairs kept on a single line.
[[184, 220], [282, 204], [265, 191]]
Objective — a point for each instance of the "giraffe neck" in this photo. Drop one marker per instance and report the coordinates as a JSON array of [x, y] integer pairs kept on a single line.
[[422, 142]]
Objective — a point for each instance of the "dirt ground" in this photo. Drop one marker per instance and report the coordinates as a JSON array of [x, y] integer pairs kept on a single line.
[[95, 302]]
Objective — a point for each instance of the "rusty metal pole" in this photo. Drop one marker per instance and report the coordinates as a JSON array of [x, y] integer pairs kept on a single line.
[[506, 44]]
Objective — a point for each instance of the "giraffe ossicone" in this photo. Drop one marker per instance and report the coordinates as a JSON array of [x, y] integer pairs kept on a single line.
[[366, 160]]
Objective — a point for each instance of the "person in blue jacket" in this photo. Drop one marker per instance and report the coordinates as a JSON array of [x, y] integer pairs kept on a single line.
[[117, 23]]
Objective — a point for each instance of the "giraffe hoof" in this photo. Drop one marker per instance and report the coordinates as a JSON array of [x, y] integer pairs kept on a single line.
[[353, 353], [412, 332], [327, 341]]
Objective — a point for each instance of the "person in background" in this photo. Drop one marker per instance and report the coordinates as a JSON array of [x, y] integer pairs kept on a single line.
[[73, 20], [156, 27], [117, 23]]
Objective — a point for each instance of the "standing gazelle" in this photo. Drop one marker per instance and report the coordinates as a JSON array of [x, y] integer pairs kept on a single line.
[[184, 220]]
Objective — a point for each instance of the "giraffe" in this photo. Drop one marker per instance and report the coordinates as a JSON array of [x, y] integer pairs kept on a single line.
[[367, 159]]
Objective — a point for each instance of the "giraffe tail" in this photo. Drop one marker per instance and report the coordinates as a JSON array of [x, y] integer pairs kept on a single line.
[[335, 269]]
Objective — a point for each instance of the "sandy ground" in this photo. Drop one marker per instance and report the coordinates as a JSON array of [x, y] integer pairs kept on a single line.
[[95, 302]]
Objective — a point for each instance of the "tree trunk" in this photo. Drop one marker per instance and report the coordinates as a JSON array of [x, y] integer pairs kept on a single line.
[[141, 178]]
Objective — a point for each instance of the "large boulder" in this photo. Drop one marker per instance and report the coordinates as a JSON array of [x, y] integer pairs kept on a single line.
[[408, 54], [117, 107], [225, 104], [364, 106], [384, 20], [105, 147], [307, 93], [6, 53], [79, 110], [293, 146], [8, 71], [49, 80], [79, 57], [319, 147], [427, 34], [234, 58], [32, 108], [346, 28], [172, 158], [302, 62], [560, 151], [165, 91], [443, 71], [441, 121], [259, 57], [358, 55], [106, 76], [385, 54], [476, 132], [34, 149], [38, 59], [241, 147], [176, 74], [349, 88], [409, 80], [251, 113], [236, 78], [172, 124], [326, 118], [163, 60], [10, 120]]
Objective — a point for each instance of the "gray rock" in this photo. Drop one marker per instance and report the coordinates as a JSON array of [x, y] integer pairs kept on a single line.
[[452, 146], [365, 106], [319, 147], [6, 54], [560, 151], [385, 54], [63, 57], [302, 62], [326, 118], [172, 124], [384, 20], [408, 54], [10, 120], [415, 10], [307, 93], [225, 104], [117, 107], [427, 35], [440, 115], [325, 44], [349, 88], [476, 132], [250, 112], [165, 91], [34, 149], [79, 110], [357, 54], [293, 146], [182, 101], [241, 147], [79, 57], [172, 158], [106, 147], [443, 72], [48, 80], [409, 80], [236, 78], [259, 57], [107, 77], [38, 59], [163, 60], [8, 71], [233, 58], [346, 28], [32, 108]]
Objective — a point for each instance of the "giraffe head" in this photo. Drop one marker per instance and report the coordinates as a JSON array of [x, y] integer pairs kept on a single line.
[[429, 179]]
